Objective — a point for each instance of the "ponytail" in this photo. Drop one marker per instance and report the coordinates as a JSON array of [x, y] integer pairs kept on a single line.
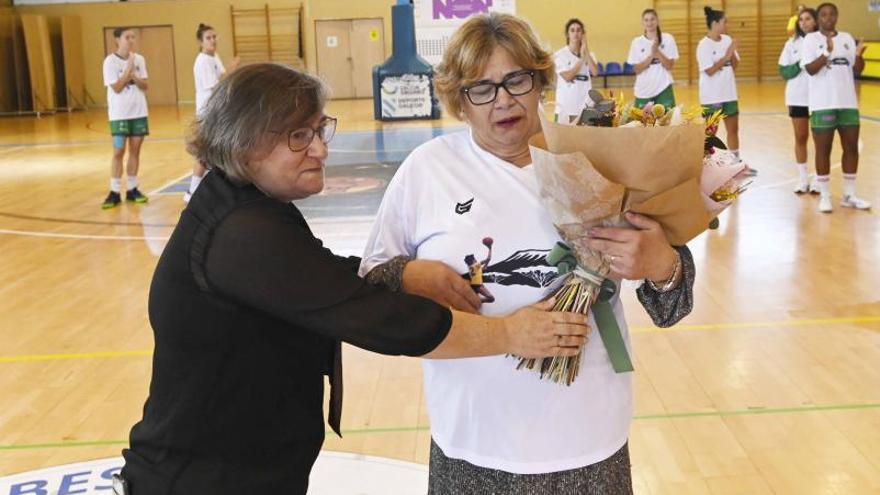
[[203, 28], [712, 15]]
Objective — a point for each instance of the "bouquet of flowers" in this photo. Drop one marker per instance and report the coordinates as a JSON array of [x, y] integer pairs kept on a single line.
[[667, 164]]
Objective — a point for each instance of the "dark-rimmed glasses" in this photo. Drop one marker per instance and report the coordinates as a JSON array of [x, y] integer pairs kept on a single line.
[[300, 139], [516, 84]]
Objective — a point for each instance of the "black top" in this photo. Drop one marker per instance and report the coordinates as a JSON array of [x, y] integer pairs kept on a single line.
[[247, 308]]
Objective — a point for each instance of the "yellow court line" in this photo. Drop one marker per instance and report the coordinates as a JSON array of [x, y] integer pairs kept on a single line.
[[75, 355], [855, 320]]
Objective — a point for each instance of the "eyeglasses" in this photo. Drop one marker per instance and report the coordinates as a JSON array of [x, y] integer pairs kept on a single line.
[[516, 84], [300, 139]]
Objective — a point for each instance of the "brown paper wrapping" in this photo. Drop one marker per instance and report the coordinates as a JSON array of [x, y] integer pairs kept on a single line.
[[660, 168], [578, 198]]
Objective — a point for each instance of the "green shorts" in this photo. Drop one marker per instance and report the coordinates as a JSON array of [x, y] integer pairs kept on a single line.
[[828, 120], [130, 127], [665, 98], [728, 108]]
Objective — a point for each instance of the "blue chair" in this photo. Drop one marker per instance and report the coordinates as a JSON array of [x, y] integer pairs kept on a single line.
[[613, 69], [601, 69], [628, 70]]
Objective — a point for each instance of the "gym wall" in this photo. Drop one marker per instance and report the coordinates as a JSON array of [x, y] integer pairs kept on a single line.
[[610, 27], [183, 15]]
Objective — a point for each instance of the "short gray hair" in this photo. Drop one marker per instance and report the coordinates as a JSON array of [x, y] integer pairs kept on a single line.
[[244, 107]]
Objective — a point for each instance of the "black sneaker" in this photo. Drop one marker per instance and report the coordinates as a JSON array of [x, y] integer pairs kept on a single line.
[[135, 196], [112, 201]]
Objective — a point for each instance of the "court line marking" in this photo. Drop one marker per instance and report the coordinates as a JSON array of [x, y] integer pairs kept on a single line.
[[83, 222], [169, 183], [31, 233], [73, 355], [444, 129], [856, 320], [639, 417]]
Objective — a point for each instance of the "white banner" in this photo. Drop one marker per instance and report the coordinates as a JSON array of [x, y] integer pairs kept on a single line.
[[436, 20], [406, 96]]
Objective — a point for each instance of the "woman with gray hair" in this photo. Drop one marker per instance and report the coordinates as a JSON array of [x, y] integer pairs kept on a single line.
[[494, 428], [249, 309]]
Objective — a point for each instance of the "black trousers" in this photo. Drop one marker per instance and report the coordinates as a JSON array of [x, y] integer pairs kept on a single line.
[[164, 472]]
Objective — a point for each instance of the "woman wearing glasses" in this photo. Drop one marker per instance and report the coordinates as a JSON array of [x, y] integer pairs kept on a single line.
[[496, 429], [248, 309]]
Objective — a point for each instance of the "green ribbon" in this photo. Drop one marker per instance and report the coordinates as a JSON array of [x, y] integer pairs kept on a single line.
[[562, 257]]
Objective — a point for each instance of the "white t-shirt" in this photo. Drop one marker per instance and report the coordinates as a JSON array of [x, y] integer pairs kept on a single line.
[[207, 71], [653, 80], [721, 86], [797, 89], [447, 196], [833, 87], [131, 102], [571, 96]]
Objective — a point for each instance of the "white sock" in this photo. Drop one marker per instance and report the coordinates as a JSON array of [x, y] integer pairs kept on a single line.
[[849, 185], [115, 184], [824, 183], [194, 183], [803, 172], [131, 182]]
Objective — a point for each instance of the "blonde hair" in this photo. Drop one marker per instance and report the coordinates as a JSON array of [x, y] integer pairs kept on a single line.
[[471, 46]]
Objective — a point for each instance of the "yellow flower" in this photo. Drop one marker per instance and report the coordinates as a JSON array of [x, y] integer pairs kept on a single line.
[[659, 110]]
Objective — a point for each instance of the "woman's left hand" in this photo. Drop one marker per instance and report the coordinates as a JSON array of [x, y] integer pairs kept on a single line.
[[639, 253]]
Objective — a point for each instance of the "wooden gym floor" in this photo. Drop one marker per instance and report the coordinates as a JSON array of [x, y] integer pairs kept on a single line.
[[772, 385]]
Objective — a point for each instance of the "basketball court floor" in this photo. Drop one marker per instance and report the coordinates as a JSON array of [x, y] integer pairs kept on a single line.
[[771, 385]]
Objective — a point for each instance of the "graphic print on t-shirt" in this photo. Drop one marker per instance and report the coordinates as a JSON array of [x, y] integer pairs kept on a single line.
[[462, 208], [475, 272], [526, 267]]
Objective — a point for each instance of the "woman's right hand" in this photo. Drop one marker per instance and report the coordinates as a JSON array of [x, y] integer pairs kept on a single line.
[[438, 282], [535, 332], [731, 50]]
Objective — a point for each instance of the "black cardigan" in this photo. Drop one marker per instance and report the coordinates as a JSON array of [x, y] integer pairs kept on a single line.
[[247, 308]]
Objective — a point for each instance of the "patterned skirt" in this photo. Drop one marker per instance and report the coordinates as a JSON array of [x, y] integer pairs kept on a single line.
[[613, 476]]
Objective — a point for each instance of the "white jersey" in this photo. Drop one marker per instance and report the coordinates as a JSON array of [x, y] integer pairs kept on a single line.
[[655, 78], [797, 89], [131, 102], [720, 87], [833, 87], [207, 71], [571, 96], [449, 199]]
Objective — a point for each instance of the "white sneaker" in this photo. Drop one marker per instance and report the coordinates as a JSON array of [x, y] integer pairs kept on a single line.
[[825, 204], [855, 202], [802, 188], [814, 186]]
